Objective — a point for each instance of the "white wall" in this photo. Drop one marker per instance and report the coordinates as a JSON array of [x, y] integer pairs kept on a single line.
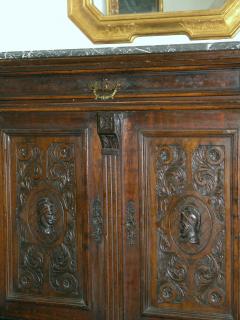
[[44, 25]]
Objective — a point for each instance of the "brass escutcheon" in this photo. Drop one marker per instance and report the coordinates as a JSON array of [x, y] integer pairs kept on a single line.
[[104, 89]]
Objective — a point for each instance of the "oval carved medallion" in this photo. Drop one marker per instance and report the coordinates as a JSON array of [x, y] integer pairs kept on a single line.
[[190, 225], [46, 216]]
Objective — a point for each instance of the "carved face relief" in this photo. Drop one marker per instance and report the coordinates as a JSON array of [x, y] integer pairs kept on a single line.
[[46, 212], [45, 215], [190, 224], [47, 264]]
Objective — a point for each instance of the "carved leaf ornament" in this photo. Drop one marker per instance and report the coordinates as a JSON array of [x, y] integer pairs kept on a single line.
[[191, 219], [45, 217]]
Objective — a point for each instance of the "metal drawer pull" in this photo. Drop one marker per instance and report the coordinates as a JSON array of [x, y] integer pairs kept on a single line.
[[104, 89]]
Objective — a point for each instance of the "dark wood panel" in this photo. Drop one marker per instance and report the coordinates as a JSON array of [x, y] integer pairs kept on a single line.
[[169, 75], [185, 225], [181, 183], [54, 263], [45, 235], [47, 86], [152, 196]]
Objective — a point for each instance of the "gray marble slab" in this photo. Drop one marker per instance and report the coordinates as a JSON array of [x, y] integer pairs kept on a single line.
[[120, 50]]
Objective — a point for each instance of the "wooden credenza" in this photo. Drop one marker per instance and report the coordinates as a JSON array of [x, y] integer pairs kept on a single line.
[[123, 206]]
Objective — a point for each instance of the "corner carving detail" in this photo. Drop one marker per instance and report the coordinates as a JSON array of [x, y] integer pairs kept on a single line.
[[109, 131]]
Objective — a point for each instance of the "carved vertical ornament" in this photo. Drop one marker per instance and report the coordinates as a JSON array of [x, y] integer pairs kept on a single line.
[[171, 181], [131, 223], [97, 220], [109, 131], [208, 180], [46, 220], [31, 257], [194, 210]]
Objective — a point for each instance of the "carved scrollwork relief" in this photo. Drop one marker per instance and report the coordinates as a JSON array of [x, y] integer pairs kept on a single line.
[[63, 270], [109, 131], [46, 219], [29, 170], [171, 180], [194, 210], [173, 273], [32, 265], [171, 174], [209, 276], [208, 176]]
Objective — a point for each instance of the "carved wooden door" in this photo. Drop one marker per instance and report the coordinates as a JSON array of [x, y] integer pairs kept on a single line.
[[51, 229], [181, 218]]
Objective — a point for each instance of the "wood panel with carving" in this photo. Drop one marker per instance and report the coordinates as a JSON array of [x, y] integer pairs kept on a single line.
[[119, 187], [109, 125], [185, 239], [54, 224]]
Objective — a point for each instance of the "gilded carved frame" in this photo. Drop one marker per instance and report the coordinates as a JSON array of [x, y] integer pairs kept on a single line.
[[207, 24]]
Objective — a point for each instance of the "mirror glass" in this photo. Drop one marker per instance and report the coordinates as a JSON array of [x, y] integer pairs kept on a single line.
[[112, 7]]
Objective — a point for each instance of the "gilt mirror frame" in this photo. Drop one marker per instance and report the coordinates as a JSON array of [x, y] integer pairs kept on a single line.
[[117, 28]]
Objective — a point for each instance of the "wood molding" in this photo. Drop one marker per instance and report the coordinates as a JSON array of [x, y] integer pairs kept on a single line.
[[166, 80]]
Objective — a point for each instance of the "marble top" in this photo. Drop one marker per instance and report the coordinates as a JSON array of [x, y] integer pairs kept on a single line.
[[120, 50]]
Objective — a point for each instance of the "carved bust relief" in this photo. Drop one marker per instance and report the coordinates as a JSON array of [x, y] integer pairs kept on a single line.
[[190, 232], [190, 224], [47, 217], [46, 222]]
